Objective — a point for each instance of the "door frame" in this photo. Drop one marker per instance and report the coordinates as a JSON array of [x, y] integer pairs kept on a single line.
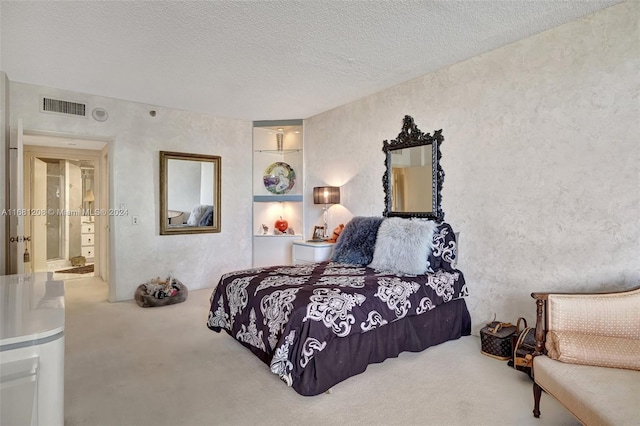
[[104, 247], [14, 243], [36, 151], [105, 225]]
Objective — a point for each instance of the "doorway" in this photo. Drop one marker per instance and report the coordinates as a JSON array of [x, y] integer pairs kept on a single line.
[[67, 243], [62, 188]]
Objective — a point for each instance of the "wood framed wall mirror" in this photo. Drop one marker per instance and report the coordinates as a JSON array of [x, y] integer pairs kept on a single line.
[[413, 177], [190, 186]]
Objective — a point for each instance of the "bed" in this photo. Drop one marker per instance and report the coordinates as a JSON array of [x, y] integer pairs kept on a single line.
[[315, 325]]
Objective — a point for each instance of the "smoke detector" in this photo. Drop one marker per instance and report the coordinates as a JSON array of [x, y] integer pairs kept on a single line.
[[100, 114]]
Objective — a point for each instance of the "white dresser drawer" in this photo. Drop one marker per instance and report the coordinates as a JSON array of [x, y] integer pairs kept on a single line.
[[87, 239], [87, 251], [87, 228]]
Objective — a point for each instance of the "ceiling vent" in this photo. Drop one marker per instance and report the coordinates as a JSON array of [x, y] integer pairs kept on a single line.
[[63, 107]]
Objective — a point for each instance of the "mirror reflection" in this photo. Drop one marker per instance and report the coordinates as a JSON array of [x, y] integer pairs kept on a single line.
[[411, 176], [190, 193]]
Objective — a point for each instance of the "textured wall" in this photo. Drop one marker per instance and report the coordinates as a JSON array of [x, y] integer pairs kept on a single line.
[[139, 252], [541, 156]]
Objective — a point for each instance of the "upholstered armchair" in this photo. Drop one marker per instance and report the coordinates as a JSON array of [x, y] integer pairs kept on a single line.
[[588, 355]]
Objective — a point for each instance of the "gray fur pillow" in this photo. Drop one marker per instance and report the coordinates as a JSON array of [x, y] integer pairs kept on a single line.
[[357, 241], [403, 246]]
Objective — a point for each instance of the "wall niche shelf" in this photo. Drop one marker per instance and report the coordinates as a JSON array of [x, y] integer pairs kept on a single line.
[[276, 198], [276, 151], [274, 142], [283, 236]]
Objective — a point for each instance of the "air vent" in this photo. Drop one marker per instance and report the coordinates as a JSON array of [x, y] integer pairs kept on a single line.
[[63, 107]]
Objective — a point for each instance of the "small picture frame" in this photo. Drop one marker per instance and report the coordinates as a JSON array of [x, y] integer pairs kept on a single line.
[[318, 233]]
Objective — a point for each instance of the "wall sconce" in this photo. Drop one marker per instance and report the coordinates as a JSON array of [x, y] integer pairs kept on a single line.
[[88, 198], [326, 195]]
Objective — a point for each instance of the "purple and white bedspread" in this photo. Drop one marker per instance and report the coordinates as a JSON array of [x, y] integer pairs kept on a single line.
[[288, 314]]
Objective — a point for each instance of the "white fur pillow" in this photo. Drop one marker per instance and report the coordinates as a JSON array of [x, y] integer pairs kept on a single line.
[[403, 245]]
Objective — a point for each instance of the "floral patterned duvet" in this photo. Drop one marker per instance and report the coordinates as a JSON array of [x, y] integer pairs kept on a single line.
[[288, 314]]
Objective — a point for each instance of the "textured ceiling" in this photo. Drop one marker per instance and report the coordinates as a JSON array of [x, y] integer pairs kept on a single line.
[[257, 60]]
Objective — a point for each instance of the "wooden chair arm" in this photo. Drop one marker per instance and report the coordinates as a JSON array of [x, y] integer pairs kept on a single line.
[[541, 299]]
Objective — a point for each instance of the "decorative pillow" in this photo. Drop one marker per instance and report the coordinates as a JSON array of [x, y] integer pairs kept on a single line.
[[444, 251], [403, 245], [588, 349], [357, 241], [196, 214]]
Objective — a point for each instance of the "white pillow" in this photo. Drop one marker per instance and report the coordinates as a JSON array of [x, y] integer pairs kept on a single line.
[[196, 214], [403, 245]]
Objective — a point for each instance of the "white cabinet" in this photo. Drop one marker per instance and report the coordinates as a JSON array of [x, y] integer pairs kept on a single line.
[[277, 189], [311, 251], [32, 354], [88, 237], [269, 250]]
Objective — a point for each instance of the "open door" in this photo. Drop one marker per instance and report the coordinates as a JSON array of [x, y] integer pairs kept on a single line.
[[38, 244], [16, 241]]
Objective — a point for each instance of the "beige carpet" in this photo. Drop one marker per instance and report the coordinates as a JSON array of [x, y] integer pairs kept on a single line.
[[127, 365]]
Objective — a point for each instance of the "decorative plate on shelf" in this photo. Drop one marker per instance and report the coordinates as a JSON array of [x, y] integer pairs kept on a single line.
[[279, 178]]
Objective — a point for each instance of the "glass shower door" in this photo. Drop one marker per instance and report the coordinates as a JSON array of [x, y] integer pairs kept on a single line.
[[55, 202]]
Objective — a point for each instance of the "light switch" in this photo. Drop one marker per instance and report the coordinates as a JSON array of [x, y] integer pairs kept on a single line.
[[135, 220]]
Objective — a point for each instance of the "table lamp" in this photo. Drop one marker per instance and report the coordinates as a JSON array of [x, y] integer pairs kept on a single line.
[[326, 195]]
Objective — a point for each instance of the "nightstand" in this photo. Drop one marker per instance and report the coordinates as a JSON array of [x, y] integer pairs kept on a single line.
[[311, 251]]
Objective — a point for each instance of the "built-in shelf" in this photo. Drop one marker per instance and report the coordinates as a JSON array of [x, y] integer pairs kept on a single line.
[[278, 151], [296, 236], [272, 198], [268, 208]]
